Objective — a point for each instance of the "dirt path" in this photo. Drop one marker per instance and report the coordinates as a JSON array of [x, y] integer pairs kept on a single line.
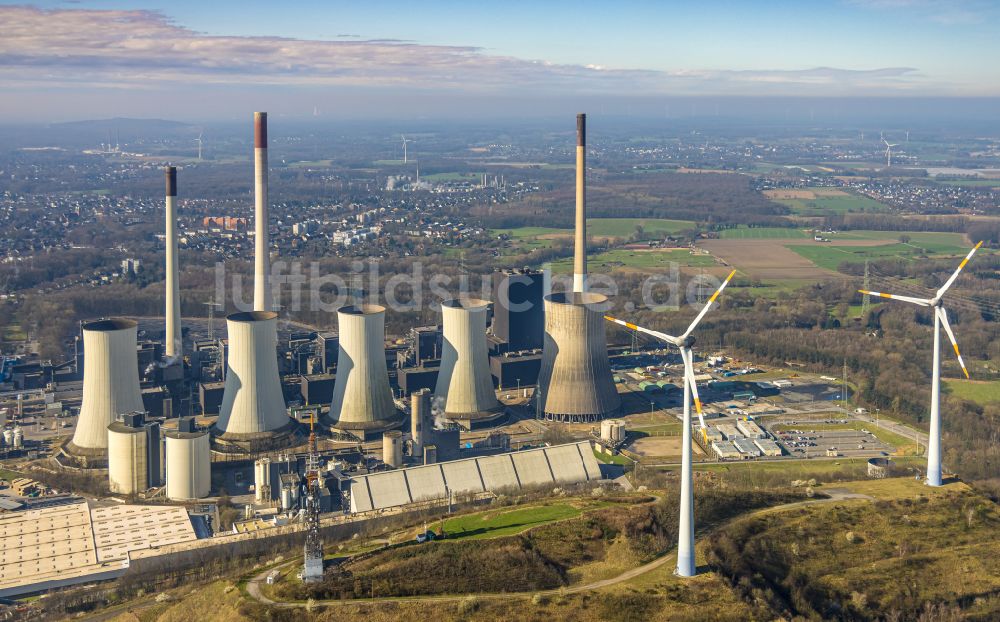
[[253, 585]]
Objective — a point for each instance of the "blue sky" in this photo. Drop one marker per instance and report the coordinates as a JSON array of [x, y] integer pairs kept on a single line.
[[518, 51]]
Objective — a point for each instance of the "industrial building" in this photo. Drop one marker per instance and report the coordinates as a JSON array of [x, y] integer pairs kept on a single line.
[[750, 429], [747, 448], [730, 431], [65, 543], [768, 447], [518, 315], [561, 464], [725, 450]]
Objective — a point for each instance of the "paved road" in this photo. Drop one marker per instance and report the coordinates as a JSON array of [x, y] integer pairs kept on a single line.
[[253, 585]]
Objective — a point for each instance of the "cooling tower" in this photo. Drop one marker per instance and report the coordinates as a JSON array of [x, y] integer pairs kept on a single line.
[[580, 246], [464, 383], [262, 242], [189, 473], [110, 383], [172, 339], [362, 400], [253, 407], [575, 382]]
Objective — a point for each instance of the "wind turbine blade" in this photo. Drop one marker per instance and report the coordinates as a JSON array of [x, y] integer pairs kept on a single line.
[[631, 326], [923, 302], [943, 316], [954, 276], [688, 356], [708, 304]]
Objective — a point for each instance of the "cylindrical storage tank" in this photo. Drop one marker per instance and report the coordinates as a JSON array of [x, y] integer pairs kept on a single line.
[[253, 406], [110, 383], [8, 437], [362, 400], [618, 430], [392, 448], [18, 437], [286, 497], [420, 412], [128, 452], [464, 382], [262, 480], [575, 378], [189, 465], [606, 431]]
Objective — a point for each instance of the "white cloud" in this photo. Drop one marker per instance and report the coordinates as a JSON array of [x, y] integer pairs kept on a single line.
[[145, 49]]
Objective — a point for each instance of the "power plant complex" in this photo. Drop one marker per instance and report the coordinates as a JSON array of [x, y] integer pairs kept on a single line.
[[308, 445]]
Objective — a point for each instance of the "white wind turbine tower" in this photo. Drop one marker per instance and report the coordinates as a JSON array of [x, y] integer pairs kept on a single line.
[[940, 319], [685, 540], [198, 140], [404, 147], [888, 152]]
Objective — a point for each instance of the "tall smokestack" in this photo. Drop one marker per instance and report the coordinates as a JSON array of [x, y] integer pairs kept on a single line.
[[262, 260], [580, 255], [172, 339]]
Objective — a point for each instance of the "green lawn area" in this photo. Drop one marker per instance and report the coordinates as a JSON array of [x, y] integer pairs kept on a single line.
[[757, 233], [620, 459], [832, 204], [10, 475], [979, 391], [507, 522], [13, 333], [799, 469], [652, 260]]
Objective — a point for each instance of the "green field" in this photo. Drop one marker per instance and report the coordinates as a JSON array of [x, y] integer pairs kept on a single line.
[[933, 241], [762, 233], [979, 391], [604, 227], [831, 256], [652, 260], [831, 204], [506, 522]]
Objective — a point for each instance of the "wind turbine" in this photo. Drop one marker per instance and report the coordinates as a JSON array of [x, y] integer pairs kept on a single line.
[[404, 148], [685, 540], [198, 140], [888, 152], [940, 319]]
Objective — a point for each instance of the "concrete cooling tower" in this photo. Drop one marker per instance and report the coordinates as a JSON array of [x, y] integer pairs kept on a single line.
[[253, 407], [575, 382], [110, 383], [362, 402], [464, 383]]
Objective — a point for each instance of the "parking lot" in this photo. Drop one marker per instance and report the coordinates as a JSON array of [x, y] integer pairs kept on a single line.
[[809, 443]]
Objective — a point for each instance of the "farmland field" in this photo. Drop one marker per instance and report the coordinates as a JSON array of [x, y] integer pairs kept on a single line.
[[831, 256], [765, 258], [762, 233], [979, 391], [828, 201], [657, 260]]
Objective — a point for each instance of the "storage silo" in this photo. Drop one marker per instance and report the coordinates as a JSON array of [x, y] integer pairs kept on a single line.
[[189, 462], [464, 383], [362, 402], [110, 383], [575, 382], [262, 480], [253, 406], [392, 448], [133, 455], [420, 423]]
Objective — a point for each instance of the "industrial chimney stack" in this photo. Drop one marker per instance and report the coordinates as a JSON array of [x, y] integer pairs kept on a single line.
[[172, 340], [262, 260], [580, 251]]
